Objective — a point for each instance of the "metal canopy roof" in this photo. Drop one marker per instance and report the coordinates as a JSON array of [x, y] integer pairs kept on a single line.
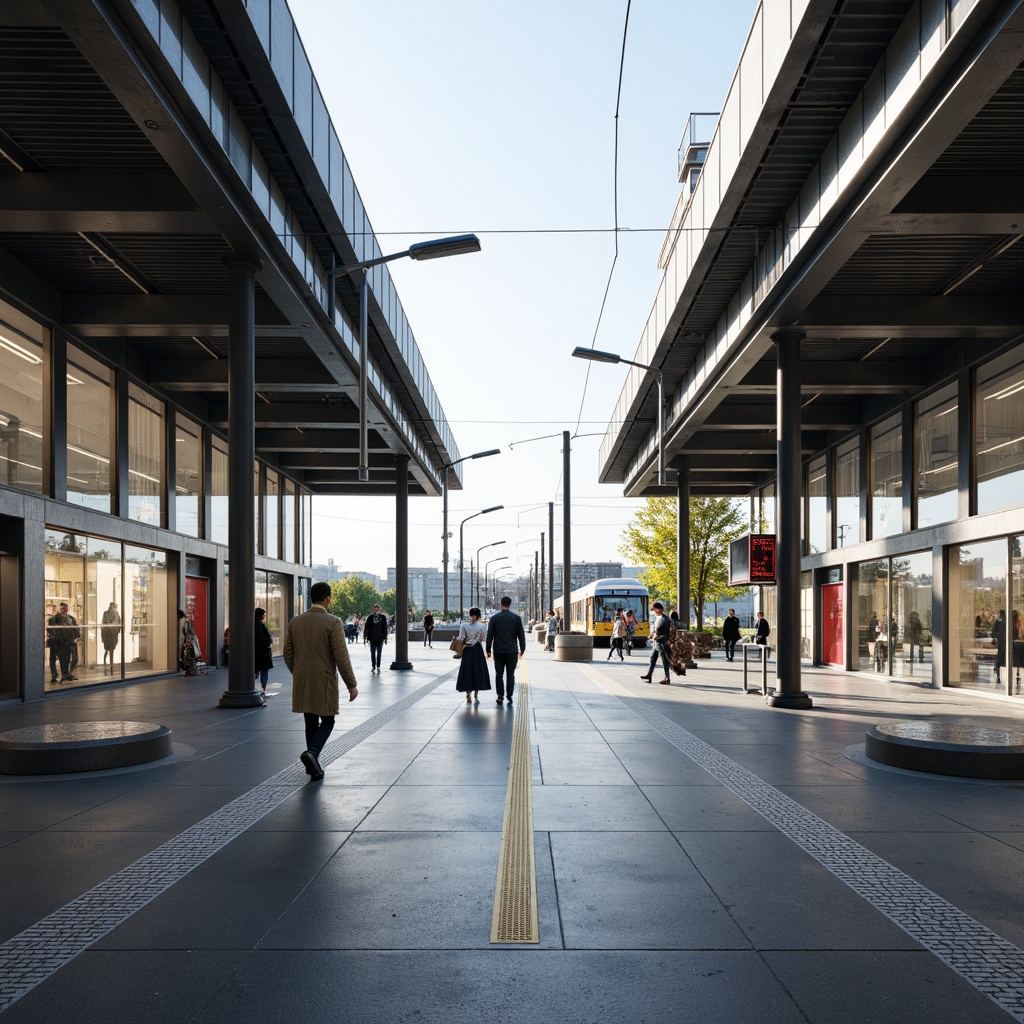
[[116, 213], [915, 271]]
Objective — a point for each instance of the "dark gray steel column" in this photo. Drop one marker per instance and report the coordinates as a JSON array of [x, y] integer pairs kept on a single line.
[[551, 553], [241, 691], [787, 693], [401, 662], [566, 534]]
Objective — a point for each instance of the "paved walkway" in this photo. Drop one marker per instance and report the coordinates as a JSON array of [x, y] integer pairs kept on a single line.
[[699, 857]]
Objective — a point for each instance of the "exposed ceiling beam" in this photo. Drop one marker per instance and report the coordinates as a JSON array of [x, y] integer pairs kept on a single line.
[[745, 415], [283, 440], [818, 377], [291, 414], [158, 316], [305, 375]]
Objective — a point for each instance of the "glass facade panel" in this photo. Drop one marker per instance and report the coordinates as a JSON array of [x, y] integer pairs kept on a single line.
[[288, 520], [1015, 622], [270, 515], [912, 600], [935, 457], [218, 527], [873, 615], [22, 368], [146, 447], [816, 521], [886, 461], [999, 434], [848, 493], [806, 617], [90, 432], [306, 526], [150, 616], [272, 595], [188, 476], [257, 506], [977, 596]]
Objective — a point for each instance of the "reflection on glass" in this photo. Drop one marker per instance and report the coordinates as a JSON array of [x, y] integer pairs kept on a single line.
[[270, 515], [806, 617], [145, 457], [150, 623], [999, 433], [873, 615], [288, 521], [848, 493], [188, 476], [977, 595], [1015, 639], [912, 601], [22, 367], [817, 506], [887, 478], [218, 527], [935, 436], [90, 431]]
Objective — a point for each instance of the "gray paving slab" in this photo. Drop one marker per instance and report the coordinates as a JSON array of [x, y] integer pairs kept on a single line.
[[407, 890], [381, 766], [322, 809], [707, 808], [433, 808], [783, 899], [594, 809], [468, 764], [658, 900], [577, 764], [27, 806]]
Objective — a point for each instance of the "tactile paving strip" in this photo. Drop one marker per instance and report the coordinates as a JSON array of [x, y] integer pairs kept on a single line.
[[993, 965], [514, 919], [30, 957]]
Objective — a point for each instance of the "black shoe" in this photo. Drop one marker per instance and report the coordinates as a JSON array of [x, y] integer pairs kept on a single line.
[[499, 700], [311, 764], [508, 700]]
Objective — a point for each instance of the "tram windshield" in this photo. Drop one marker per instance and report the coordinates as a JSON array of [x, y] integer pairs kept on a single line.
[[606, 605]]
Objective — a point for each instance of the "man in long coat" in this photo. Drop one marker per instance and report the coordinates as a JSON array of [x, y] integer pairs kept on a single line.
[[315, 653]]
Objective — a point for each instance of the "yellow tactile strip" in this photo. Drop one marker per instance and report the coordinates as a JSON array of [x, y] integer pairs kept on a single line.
[[515, 893]]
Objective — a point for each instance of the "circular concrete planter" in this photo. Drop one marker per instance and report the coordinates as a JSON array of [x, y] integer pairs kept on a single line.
[[56, 749], [574, 647], [540, 634]]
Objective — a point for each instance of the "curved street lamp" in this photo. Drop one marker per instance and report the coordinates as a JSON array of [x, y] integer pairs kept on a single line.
[[462, 575], [444, 528], [483, 547], [433, 250], [597, 356], [503, 558]]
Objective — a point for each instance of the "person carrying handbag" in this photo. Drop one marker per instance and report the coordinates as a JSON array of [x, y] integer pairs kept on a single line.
[[473, 674]]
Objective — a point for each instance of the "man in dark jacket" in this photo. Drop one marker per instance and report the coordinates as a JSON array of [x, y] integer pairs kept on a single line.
[[375, 633], [506, 635], [762, 631], [730, 634]]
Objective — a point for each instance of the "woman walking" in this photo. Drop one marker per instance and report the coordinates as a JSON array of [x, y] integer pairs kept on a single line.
[[618, 630], [264, 650], [473, 674]]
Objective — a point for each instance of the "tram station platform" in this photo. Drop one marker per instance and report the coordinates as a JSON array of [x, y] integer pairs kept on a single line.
[[697, 856]]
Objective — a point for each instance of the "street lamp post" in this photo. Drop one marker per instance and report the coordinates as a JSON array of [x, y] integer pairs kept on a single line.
[[483, 547], [433, 250], [483, 512], [595, 355], [503, 558], [444, 533]]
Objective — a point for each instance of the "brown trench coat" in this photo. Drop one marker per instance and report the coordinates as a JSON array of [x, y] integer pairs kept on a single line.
[[315, 652]]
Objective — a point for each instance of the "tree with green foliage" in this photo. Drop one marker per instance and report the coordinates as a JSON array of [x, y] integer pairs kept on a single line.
[[651, 539], [352, 595]]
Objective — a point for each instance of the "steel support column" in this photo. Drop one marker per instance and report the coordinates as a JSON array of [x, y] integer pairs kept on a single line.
[[787, 693], [241, 691], [566, 534], [683, 541], [401, 662]]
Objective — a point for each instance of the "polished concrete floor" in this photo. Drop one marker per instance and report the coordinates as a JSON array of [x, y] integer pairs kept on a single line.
[[699, 857]]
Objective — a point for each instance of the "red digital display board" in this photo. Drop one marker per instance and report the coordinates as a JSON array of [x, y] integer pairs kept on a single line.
[[752, 559]]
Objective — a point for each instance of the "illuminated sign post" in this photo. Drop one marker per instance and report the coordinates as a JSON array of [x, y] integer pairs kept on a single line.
[[752, 559]]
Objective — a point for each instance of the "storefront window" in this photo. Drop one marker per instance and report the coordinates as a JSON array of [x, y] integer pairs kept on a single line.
[[256, 506], [806, 618], [1015, 621], [977, 599], [146, 445], [270, 515], [306, 512], [288, 520], [873, 615], [767, 510], [816, 523], [848, 493], [188, 476], [151, 618], [912, 600], [22, 369], [90, 432], [999, 433], [887, 478], [219, 492], [935, 434]]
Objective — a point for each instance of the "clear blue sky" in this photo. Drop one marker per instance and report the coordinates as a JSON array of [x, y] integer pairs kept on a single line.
[[469, 115]]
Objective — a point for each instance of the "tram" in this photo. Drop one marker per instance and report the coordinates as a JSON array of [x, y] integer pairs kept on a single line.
[[593, 609]]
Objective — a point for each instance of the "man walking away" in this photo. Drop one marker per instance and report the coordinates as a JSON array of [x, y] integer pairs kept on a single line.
[[375, 633], [315, 652], [504, 632], [730, 634]]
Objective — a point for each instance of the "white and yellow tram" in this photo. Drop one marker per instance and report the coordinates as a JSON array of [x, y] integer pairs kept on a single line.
[[593, 609]]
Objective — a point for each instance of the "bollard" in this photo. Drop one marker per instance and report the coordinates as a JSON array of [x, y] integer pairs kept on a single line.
[[574, 647]]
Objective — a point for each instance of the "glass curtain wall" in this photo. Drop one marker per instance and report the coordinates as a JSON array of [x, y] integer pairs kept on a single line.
[[287, 520], [146, 458], [999, 433], [1015, 618], [188, 476], [218, 526], [806, 617], [272, 589], [894, 615], [91, 420], [816, 520], [23, 368], [272, 547], [118, 598], [872, 615], [977, 596], [935, 457], [848, 493], [886, 483]]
